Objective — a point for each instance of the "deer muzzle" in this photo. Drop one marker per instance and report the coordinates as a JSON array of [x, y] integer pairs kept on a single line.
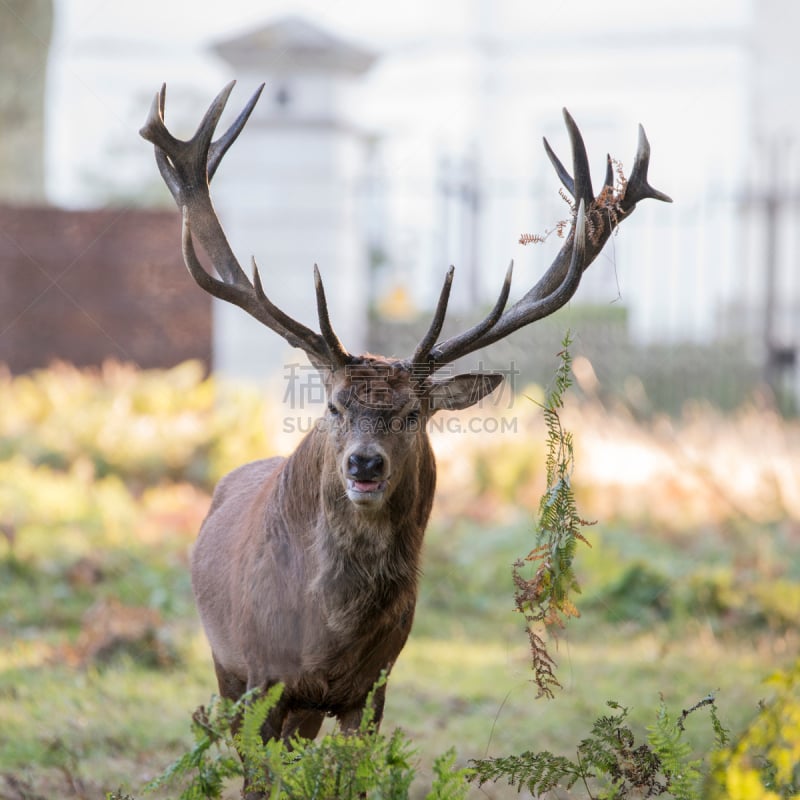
[[366, 476]]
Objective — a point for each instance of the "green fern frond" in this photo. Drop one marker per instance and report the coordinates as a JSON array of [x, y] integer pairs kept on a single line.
[[536, 772], [255, 707], [722, 736], [609, 762], [545, 600], [210, 728], [368, 715], [449, 781], [681, 772]]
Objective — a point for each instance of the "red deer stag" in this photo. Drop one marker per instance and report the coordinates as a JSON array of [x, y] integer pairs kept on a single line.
[[305, 570]]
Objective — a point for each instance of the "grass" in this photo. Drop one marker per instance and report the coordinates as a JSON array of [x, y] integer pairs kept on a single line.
[[102, 659], [463, 679]]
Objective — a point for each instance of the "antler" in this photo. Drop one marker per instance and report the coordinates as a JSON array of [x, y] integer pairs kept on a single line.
[[187, 167], [595, 219]]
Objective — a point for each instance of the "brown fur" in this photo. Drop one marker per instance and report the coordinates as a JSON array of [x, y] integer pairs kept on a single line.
[[297, 583]]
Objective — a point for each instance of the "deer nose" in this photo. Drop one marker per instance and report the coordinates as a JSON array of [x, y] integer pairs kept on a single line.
[[365, 467]]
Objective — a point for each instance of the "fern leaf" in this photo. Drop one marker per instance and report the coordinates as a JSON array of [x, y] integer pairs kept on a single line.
[[536, 772], [449, 782], [682, 774], [255, 709], [545, 599]]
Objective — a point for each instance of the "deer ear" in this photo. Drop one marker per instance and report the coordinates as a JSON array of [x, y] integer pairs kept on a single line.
[[462, 391]]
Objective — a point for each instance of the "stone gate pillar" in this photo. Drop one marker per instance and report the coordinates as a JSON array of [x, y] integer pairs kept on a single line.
[[287, 191]]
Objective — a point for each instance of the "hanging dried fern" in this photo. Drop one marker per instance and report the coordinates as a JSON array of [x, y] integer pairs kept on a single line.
[[533, 238], [545, 600], [603, 212]]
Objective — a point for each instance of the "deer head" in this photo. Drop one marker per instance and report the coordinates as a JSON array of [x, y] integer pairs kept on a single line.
[[368, 391]]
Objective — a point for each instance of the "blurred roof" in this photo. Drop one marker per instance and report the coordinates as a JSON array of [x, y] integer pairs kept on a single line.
[[294, 43]]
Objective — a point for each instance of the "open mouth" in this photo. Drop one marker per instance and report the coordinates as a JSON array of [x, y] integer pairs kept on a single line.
[[365, 487]]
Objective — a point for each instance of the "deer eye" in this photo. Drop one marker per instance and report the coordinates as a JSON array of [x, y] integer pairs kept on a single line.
[[333, 411]]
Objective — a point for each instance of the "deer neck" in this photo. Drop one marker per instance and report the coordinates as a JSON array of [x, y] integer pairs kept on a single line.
[[369, 535], [376, 552]]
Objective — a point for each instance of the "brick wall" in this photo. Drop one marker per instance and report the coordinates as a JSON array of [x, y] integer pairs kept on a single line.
[[85, 286]]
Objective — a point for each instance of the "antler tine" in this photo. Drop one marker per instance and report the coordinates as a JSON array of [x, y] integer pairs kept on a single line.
[[463, 342], [423, 351], [297, 334], [208, 125], [220, 147], [582, 176], [339, 355], [638, 188], [608, 182], [560, 169], [580, 187], [154, 129], [156, 132]]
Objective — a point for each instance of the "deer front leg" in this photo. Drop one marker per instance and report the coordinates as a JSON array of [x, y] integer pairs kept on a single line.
[[271, 729], [305, 724], [350, 720]]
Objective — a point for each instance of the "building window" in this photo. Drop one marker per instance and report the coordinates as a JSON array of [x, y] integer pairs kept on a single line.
[[283, 97]]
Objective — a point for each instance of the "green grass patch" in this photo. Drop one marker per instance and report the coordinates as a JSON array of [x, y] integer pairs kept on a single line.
[[102, 660]]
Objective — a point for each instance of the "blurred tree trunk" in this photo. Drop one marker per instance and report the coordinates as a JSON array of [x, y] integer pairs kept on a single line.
[[25, 30]]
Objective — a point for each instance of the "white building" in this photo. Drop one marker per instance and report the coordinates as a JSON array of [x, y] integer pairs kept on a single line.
[[288, 196]]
